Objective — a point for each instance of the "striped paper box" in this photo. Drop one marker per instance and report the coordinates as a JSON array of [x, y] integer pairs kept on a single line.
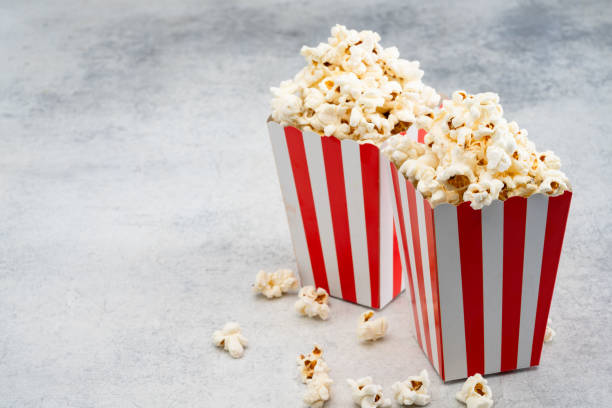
[[338, 198], [481, 281]]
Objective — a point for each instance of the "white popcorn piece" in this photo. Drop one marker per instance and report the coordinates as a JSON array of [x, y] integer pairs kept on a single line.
[[473, 154], [318, 391], [231, 339], [311, 364], [550, 333], [353, 88], [312, 302], [369, 329], [413, 391], [274, 284], [475, 393], [315, 374], [366, 394]]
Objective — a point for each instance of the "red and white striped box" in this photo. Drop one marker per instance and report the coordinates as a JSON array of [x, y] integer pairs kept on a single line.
[[481, 281], [338, 200]]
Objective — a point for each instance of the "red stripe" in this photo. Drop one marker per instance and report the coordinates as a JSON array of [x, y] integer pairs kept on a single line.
[[421, 136], [400, 214], [470, 246], [299, 166], [370, 177], [515, 212], [433, 269], [334, 172], [558, 210], [416, 241], [397, 266]]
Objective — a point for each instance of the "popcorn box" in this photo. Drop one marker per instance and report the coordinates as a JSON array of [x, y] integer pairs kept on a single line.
[[481, 281], [338, 200]]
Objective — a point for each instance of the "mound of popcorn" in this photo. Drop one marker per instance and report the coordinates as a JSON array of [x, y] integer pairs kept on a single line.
[[353, 88], [472, 153], [314, 373]]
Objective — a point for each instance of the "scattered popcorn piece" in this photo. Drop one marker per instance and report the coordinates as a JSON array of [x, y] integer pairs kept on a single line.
[[366, 394], [318, 390], [312, 302], [314, 373], [353, 88], [475, 393], [311, 364], [369, 329], [274, 284], [231, 339], [550, 333], [473, 154], [413, 391]]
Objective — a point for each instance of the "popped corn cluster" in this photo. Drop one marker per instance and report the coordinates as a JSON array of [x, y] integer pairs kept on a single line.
[[274, 284], [366, 394], [314, 373], [413, 391], [231, 339], [475, 393], [353, 88], [312, 302], [472, 153], [369, 329]]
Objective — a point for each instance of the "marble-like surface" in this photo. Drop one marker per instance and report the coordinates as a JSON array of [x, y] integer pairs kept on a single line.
[[138, 195]]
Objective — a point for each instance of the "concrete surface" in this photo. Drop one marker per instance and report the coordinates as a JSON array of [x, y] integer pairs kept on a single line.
[[138, 196]]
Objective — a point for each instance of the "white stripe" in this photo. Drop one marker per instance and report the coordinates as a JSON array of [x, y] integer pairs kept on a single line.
[[427, 278], [351, 161], [537, 209], [415, 281], [386, 233], [292, 207], [318, 182], [450, 291], [492, 282], [400, 239]]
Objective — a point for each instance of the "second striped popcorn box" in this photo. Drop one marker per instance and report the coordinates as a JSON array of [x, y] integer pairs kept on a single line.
[[339, 205], [480, 281]]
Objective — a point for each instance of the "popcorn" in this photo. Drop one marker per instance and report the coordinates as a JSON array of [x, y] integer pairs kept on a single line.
[[475, 393], [366, 394], [550, 333], [353, 88], [311, 364], [472, 153], [413, 391], [231, 339], [314, 373], [318, 391], [312, 302], [369, 329], [276, 283]]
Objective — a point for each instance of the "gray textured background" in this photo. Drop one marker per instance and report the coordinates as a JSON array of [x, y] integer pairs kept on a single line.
[[138, 195]]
